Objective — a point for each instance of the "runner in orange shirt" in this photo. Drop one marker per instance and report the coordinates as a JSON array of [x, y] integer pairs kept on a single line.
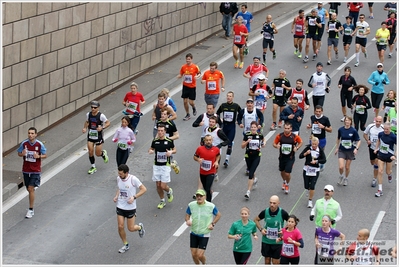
[[190, 73], [212, 79]]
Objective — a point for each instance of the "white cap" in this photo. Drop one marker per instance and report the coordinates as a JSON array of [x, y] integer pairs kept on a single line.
[[329, 187], [261, 77], [380, 64]]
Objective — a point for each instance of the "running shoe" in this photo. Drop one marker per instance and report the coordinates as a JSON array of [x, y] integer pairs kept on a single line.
[[216, 179], [306, 59], [246, 50], [365, 54], [345, 183], [136, 132], [92, 170], [194, 111], [187, 117], [314, 57], [343, 119], [310, 204], [273, 127], [274, 55], [169, 195], [124, 248], [345, 59], [264, 63], [341, 179], [142, 230], [241, 65], [247, 194], [296, 52], [336, 55], [175, 167], [105, 156], [357, 64], [379, 193], [236, 65], [29, 214], [371, 17], [390, 178], [161, 205], [36, 187], [329, 62], [287, 189], [299, 55], [255, 184], [283, 187], [374, 182], [226, 163], [280, 124]]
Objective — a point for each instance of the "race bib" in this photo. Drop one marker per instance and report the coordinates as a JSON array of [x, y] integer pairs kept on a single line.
[[312, 22], [30, 156], [288, 249], [298, 28], [278, 91], [161, 157], [211, 85], [346, 144], [324, 250], [286, 149], [206, 165], [299, 96], [272, 233], [359, 109], [348, 31], [188, 78], [267, 35], [331, 27], [237, 38], [311, 171], [123, 194], [228, 116], [93, 134], [382, 41], [259, 104], [132, 106], [393, 121], [384, 148], [316, 129], [254, 144], [122, 145]]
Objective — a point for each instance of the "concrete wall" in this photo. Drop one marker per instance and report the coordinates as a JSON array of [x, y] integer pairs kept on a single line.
[[59, 56]]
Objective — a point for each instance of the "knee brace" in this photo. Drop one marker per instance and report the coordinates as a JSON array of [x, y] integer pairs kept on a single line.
[[375, 167]]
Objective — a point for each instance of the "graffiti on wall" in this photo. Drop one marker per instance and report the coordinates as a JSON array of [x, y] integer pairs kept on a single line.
[[150, 24]]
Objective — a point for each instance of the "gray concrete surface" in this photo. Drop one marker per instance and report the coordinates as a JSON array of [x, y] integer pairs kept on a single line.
[[150, 83]]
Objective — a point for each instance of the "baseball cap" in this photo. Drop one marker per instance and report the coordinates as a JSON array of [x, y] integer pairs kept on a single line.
[[201, 192], [380, 64], [329, 187], [250, 100], [258, 57], [95, 103], [261, 77], [319, 64], [320, 2]]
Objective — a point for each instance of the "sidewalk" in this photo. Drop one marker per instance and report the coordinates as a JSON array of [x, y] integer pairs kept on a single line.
[[150, 83]]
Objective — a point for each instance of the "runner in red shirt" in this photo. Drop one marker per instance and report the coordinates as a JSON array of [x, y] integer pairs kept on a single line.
[[240, 34], [132, 102]]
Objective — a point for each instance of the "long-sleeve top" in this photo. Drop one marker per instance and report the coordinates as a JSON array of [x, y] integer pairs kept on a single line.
[[294, 121], [376, 78], [358, 101], [228, 7], [321, 159], [124, 134]]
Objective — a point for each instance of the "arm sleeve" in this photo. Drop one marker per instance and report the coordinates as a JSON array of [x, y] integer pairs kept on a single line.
[[239, 116], [339, 214], [370, 79], [260, 116], [301, 156], [322, 157], [307, 98], [284, 115], [328, 80], [172, 104], [387, 79], [310, 82], [285, 215], [198, 120], [302, 244], [368, 103]]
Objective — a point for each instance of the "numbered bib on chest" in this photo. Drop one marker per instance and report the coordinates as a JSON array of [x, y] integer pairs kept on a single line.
[[286, 149], [298, 28], [267, 35], [123, 194], [288, 249], [384, 148], [228, 116], [348, 31], [278, 91], [161, 157], [324, 250], [311, 171], [259, 104], [122, 145], [299, 96], [30, 156], [254, 144], [312, 22], [211, 85], [206, 165], [188, 78], [359, 109], [331, 27], [316, 129], [132, 106], [346, 144], [237, 38], [93, 134], [272, 233]]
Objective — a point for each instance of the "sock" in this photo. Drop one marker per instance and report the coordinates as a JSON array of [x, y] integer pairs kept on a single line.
[[93, 165], [341, 176], [228, 157], [274, 52], [92, 160], [264, 56], [380, 187], [169, 192], [357, 56], [30, 208], [163, 199]]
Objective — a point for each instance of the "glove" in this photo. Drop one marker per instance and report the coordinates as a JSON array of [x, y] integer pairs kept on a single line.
[[327, 90], [129, 142], [261, 32], [384, 82], [376, 83], [332, 222], [311, 217], [115, 140]]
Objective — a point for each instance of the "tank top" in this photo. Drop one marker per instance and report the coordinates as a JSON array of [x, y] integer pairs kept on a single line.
[[248, 118], [300, 95], [268, 31], [299, 26]]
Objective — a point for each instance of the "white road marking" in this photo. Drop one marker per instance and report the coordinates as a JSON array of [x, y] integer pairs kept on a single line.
[[376, 224]]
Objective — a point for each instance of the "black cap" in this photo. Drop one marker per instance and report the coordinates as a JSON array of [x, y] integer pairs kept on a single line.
[[95, 103], [319, 64]]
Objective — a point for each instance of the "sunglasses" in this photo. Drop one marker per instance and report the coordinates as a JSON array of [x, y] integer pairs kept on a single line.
[[199, 196], [379, 67], [94, 107]]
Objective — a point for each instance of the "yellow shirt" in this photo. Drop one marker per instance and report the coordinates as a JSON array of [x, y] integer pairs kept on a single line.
[[383, 36]]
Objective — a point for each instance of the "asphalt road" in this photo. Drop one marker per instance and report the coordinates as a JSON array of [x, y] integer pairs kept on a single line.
[[75, 221]]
